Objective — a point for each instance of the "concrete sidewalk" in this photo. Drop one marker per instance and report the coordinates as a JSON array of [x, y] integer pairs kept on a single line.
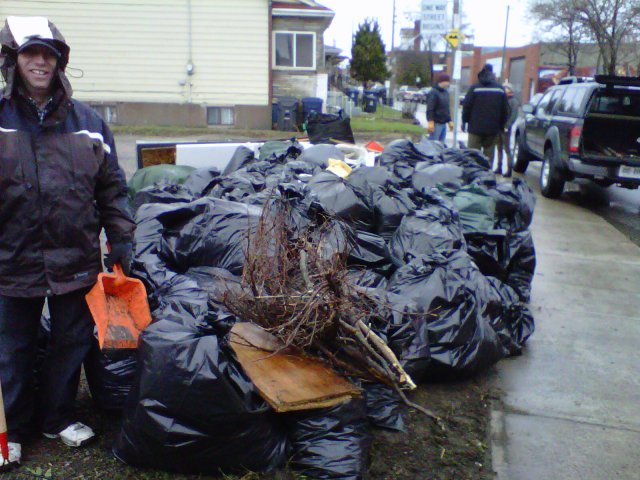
[[571, 403]]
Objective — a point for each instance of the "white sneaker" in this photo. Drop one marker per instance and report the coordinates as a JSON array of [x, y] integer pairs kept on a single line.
[[15, 455], [75, 435]]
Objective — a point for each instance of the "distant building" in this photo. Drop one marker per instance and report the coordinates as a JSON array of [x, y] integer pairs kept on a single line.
[[533, 68], [188, 63]]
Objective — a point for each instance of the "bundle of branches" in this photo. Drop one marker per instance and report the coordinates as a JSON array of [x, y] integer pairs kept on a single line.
[[295, 286]]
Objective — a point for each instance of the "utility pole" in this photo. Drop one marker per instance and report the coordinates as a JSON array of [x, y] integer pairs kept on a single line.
[[393, 26], [456, 68], [503, 75]]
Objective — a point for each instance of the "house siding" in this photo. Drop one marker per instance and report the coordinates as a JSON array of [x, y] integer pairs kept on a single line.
[[137, 52]]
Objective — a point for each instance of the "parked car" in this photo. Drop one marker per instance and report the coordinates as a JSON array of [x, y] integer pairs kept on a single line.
[[424, 91], [582, 128], [407, 94]]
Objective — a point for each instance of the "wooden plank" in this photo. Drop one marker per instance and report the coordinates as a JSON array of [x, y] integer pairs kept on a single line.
[[287, 380]]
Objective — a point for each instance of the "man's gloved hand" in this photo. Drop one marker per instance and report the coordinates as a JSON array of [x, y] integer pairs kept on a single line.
[[450, 124], [431, 126], [463, 127], [121, 252]]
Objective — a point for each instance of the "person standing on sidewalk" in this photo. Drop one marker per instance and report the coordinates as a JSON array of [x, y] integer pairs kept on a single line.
[[438, 109], [504, 142], [485, 112], [60, 184]]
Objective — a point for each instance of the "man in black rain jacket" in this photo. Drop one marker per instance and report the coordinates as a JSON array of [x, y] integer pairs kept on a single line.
[[60, 184], [485, 112]]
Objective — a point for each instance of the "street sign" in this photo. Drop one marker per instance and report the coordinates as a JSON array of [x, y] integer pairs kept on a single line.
[[433, 17], [454, 37]]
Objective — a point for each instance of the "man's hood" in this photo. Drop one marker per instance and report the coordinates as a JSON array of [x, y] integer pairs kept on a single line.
[[19, 30], [486, 77]]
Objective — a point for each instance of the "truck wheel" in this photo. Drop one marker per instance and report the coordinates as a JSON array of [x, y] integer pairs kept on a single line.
[[521, 157], [551, 180]]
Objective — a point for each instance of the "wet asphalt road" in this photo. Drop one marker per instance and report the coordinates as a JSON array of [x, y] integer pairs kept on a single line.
[[618, 206]]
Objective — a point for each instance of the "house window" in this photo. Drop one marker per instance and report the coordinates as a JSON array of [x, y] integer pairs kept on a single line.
[[220, 116], [108, 113], [295, 50]]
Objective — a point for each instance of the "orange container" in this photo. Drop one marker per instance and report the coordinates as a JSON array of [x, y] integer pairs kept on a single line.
[[120, 309]]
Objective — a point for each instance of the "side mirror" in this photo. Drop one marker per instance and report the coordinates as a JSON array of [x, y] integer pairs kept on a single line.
[[527, 108]]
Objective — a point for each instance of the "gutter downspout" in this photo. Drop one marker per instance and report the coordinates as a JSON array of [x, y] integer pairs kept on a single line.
[[270, 57], [189, 51]]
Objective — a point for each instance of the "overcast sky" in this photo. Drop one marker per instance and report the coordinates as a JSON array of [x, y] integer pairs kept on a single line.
[[486, 19]]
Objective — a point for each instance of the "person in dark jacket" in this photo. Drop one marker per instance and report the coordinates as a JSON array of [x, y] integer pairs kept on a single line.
[[485, 112], [60, 184], [438, 109], [504, 141]]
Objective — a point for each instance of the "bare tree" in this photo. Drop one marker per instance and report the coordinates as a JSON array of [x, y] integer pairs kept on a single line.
[[560, 19], [610, 22]]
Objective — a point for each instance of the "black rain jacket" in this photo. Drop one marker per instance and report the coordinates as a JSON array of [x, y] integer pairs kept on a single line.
[[60, 183], [438, 105], [485, 108]]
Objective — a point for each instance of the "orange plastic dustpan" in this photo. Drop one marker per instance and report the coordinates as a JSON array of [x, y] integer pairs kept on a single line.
[[120, 309]]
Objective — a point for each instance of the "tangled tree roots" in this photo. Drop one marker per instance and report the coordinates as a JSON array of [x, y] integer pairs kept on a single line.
[[299, 293]]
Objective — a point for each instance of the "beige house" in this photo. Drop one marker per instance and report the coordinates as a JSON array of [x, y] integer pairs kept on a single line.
[[188, 62]]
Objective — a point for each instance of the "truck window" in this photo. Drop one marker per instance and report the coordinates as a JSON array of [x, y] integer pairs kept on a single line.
[[616, 103], [554, 99], [572, 100], [544, 101]]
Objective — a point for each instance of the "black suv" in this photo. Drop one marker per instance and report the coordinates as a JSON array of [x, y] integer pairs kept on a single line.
[[582, 128]]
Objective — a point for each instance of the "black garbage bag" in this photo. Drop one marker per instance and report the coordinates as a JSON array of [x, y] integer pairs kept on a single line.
[[502, 309], [385, 408], [430, 148], [520, 263], [434, 228], [200, 181], [402, 151], [336, 195], [441, 288], [473, 163], [242, 157], [330, 443], [390, 205], [363, 177], [146, 263], [215, 281], [370, 251], [266, 168], [233, 187], [319, 155], [489, 251], [278, 151], [515, 203], [161, 193], [366, 278], [110, 374], [193, 410], [298, 167], [329, 128], [400, 322], [207, 232], [428, 176]]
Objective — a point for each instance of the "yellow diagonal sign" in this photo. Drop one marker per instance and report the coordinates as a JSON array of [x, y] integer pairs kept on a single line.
[[454, 37]]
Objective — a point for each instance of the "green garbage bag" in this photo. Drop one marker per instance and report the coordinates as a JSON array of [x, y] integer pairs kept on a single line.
[[145, 177], [475, 205]]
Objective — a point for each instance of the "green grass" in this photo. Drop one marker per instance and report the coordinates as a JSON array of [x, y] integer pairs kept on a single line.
[[385, 121]]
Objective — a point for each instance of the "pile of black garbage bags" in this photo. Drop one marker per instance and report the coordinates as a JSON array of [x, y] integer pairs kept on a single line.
[[428, 231]]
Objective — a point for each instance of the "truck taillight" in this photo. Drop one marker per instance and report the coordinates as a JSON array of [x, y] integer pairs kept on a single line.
[[574, 139]]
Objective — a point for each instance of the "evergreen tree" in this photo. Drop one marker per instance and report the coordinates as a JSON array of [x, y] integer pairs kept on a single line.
[[368, 58]]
